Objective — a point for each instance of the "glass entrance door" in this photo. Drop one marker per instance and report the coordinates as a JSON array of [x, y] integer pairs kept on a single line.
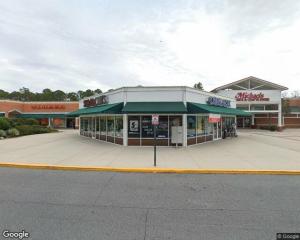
[[217, 134]]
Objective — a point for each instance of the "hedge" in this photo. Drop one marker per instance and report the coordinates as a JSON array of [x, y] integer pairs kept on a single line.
[[4, 124], [33, 129]]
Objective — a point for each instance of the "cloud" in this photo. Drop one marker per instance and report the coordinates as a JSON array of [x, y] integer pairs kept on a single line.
[[108, 44]]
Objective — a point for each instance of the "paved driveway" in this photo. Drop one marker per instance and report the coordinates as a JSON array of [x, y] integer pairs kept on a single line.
[[254, 150], [66, 205]]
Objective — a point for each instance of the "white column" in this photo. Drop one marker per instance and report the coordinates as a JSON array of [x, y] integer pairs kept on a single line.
[[125, 129], [184, 126], [49, 122], [252, 119], [279, 115]]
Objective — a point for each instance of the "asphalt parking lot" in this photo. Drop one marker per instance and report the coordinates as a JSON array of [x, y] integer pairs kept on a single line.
[[252, 150], [127, 206]]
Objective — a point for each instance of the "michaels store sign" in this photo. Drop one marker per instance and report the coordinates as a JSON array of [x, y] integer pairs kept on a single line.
[[218, 102]]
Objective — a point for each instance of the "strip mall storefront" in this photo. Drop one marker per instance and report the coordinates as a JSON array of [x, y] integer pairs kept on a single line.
[[54, 114], [292, 116], [186, 116], [259, 97]]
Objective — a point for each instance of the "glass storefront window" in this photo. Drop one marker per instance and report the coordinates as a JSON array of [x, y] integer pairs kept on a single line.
[[243, 107], [201, 125], [97, 124], [103, 125], [257, 107], [110, 126], [191, 126], [119, 126], [162, 128], [208, 127], [86, 124], [133, 126], [272, 107], [147, 128]]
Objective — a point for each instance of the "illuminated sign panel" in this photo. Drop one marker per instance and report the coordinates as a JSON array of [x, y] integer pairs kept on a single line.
[[218, 102], [250, 97], [214, 118], [95, 101]]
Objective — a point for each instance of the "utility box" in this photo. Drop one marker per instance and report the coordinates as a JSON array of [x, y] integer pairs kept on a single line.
[[177, 135]]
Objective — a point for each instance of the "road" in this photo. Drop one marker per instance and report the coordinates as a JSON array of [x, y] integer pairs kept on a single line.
[[128, 206]]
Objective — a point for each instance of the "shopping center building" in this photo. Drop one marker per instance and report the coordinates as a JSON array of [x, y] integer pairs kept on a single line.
[[261, 98], [186, 116], [54, 114]]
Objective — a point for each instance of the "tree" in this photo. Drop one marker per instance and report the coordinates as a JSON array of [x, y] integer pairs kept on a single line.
[[285, 105], [98, 91], [198, 86], [4, 94], [72, 96]]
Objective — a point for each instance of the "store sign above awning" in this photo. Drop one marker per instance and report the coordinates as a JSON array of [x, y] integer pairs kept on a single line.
[[250, 97], [48, 106], [92, 102], [214, 118], [218, 102]]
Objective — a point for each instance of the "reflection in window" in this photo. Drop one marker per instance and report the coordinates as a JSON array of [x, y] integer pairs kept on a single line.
[[201, 125], [162, 128], [191, 126], [110, 126], [119, 126], [103, 125]]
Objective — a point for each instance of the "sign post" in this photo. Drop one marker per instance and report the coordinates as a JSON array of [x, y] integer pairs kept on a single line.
[[155, 122]]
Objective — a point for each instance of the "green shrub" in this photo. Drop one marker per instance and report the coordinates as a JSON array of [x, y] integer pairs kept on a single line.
[[4, 123], [2, 133], [13, 132], [24, 121], [273, 128], [34, 129]]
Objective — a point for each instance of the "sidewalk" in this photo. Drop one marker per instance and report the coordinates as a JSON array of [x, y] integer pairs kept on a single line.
[[252, 150]]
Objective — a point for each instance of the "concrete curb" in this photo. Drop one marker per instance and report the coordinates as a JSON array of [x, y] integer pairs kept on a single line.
[[151, 170]]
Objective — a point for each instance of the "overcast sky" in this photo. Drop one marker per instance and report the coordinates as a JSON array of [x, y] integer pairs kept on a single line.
[[80, 44]]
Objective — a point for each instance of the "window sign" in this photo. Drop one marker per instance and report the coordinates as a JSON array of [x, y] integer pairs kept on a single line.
[[134, 126], [155, 119], [147, 127]]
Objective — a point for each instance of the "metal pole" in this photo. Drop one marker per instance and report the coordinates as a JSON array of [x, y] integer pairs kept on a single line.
[[155, 146]]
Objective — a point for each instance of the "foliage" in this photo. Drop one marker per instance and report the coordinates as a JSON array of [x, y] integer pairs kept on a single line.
[[23, 121], [33, 129], [4, 123], [13, 132], [285, 103], [198, 86], [24, 94], [2, 133]]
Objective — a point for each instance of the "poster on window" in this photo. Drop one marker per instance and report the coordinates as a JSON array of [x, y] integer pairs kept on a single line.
[[133, 125]]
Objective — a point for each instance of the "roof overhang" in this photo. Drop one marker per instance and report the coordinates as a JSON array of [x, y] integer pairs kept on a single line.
[[261, 84]]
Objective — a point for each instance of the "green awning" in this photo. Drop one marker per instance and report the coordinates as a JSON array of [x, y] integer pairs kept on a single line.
[[41, 115], [154, 107], [114, 108], [205, 108]]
